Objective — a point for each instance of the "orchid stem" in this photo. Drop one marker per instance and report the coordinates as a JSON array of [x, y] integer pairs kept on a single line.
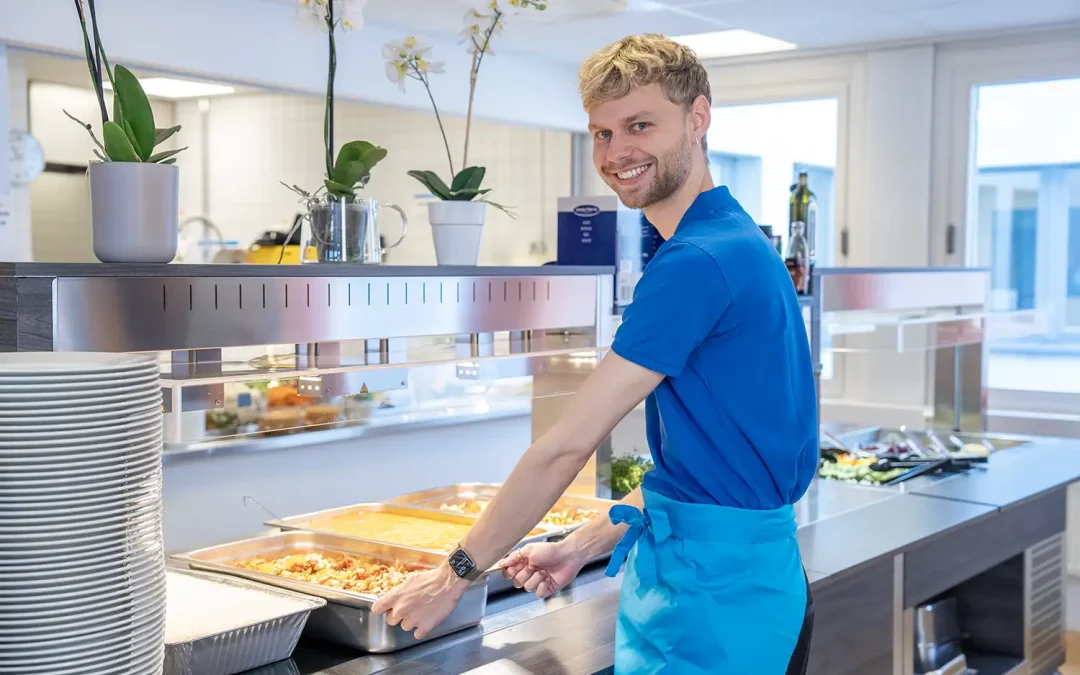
[[328, 121], [438, 118]]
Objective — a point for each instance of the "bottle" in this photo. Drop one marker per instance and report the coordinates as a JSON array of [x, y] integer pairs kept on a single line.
[[803, 209], [797, 261]]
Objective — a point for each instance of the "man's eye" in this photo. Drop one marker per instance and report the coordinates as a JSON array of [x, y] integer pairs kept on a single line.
[[603, 135], [641, 126]]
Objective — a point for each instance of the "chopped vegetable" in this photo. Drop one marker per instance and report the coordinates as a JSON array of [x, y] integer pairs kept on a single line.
[[628, 472]]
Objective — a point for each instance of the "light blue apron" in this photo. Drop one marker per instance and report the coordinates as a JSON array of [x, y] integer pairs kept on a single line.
[[707, 589]]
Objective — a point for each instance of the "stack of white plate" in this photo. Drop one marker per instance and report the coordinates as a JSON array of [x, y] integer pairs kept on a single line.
[[82, 568]]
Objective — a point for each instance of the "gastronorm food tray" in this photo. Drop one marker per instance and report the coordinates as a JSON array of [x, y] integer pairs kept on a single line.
[[307, 521], [346, 619], [433, 499], [244, 648]]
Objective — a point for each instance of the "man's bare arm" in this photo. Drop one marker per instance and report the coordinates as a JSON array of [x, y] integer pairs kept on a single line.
[[549, 467]]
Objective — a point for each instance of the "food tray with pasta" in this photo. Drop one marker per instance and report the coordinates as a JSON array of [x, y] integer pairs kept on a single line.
[[421, 529], [348, 574], [568, 514]]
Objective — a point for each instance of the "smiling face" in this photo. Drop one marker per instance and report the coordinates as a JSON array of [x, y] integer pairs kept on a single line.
[[642, 145]]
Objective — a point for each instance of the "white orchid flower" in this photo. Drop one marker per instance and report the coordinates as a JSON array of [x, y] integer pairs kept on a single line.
[[397, 71], [349, 14]]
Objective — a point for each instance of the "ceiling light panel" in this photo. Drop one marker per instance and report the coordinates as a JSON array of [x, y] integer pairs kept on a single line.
[[725, 43], [167, 87]]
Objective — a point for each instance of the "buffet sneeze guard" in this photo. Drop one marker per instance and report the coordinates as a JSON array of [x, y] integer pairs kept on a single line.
[[350, 330]]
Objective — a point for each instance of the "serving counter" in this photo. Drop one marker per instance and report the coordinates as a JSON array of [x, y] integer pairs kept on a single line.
[[872, 556]]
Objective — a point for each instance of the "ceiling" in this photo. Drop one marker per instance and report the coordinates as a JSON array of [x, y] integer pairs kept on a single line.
[[812, 24]]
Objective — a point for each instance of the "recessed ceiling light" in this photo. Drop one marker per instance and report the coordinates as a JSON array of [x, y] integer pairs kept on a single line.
[[167, 87], [732, 43]]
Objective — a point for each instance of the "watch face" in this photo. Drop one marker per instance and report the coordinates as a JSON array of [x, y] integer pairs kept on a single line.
[[462, 565]]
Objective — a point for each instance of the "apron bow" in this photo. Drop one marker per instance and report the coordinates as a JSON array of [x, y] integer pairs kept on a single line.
[[651, 527]]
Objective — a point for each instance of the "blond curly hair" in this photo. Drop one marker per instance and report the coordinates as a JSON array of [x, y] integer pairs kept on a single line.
[[641, 60]]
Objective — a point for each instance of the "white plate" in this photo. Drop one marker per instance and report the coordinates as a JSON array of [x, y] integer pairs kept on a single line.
[[146, 545], [64, 504], [85, 399], [120, 610], [13, 545], [137, 432], [76, 461], [15, 550], [106, 648], [50, 525], [132, 469], [142, 659], [153, 436], [75, 378], [43, 430], [47, 497], [51, 388], [60, 363], [146, 577], [60, 418]]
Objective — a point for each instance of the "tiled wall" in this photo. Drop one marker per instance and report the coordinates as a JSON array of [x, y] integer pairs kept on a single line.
[[256, 140]]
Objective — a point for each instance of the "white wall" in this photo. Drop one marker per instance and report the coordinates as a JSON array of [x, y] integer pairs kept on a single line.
[[1046, 111], [259, 42], [254, 141], [15, 232], [204, 493]]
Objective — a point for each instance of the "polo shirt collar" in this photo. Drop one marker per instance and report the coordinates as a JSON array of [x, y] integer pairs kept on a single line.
[[708, 203]]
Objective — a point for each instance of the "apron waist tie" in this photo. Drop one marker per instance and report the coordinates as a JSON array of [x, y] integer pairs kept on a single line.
[[653, 525]]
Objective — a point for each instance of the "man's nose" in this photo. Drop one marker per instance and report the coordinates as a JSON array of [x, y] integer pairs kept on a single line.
[[618, 151]]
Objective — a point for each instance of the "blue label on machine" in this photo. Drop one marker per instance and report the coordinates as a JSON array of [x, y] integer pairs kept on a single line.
[[587, 235]]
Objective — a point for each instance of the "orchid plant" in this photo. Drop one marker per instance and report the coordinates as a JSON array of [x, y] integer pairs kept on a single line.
[[130, 136], [410, 59], [352, 168]]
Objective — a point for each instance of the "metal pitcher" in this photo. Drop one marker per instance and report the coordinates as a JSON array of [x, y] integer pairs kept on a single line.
[[347, 231]]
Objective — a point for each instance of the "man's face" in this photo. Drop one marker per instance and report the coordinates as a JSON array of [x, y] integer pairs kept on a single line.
[[641, 146]]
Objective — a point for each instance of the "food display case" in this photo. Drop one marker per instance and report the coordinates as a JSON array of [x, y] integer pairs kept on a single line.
[[269, 357]]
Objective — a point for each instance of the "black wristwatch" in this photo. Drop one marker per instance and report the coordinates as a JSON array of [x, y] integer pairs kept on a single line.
[[462, 564]]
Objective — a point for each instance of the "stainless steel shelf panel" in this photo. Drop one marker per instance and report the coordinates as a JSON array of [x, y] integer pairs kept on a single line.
[[887, 289], [134, 314]]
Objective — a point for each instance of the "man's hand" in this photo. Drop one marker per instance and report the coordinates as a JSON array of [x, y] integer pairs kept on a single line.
[[423, 601], [544, 568]]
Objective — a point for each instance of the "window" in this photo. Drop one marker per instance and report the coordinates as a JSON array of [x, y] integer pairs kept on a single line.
[[1024, 224], [758, 150]]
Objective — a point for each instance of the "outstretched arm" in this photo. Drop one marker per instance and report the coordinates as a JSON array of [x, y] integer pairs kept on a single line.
[[541, 476]]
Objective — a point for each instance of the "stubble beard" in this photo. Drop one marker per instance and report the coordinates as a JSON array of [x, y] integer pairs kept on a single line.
[[676, 165]]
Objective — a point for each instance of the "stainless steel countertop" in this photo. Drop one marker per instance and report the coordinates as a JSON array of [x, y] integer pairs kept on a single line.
[[842, 528]]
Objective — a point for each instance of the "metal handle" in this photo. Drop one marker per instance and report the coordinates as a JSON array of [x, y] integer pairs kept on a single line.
[[404, 225]]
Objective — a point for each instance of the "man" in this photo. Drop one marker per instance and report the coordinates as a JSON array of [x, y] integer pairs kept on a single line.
[[714, 340]]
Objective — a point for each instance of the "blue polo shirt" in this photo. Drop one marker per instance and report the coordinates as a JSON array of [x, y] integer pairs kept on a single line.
[[734, 422]]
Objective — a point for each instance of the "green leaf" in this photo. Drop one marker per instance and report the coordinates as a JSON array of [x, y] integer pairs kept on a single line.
[[432, 182], [137, 111], [169, 161], [117, 144], [355, 161], [163, 135], [161, 156], [464, 195], [469, 178], [339, 190]]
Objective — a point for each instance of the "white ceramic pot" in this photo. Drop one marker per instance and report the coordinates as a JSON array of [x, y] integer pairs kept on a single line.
[[456, 228], [134, 207]]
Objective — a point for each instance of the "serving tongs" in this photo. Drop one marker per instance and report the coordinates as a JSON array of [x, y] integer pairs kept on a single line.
[[841, 447]]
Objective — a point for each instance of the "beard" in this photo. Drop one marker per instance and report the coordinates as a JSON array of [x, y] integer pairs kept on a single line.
[[672, 169]]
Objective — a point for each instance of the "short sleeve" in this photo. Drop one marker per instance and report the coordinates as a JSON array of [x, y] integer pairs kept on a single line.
[[677, 302]]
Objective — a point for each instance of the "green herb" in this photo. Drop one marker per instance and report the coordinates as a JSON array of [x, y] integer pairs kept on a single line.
[[628, 472]]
